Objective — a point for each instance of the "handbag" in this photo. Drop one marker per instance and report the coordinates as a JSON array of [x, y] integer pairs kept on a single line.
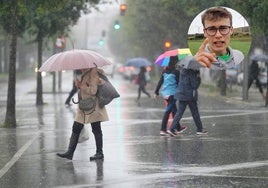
[[106, 91], [87, 104], [84, 135]]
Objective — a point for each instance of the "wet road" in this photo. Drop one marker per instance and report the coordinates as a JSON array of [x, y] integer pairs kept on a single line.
[[233, 154]]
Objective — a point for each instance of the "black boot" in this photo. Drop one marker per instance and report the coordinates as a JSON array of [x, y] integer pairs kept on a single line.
[[96, 129], [77, 127], [96, 156]]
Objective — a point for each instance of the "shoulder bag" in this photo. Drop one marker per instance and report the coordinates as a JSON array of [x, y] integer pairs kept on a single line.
[[106, 91]]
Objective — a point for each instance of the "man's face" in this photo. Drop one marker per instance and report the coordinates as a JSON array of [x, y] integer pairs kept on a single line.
[[219, 42]]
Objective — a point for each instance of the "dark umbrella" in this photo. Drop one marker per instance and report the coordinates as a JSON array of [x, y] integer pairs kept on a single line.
[[138, 62], [259, 57]]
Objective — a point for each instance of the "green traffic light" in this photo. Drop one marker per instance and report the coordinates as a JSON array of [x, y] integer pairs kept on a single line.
[[101, 42], [116, 25]]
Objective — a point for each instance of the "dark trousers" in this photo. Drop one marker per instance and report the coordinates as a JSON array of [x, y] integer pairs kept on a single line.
[[258, 83], [170, 108], [142, 89], [181, 109], [96, 130]]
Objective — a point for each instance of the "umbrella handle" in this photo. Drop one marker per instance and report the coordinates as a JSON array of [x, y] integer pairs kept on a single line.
[[74, 101]]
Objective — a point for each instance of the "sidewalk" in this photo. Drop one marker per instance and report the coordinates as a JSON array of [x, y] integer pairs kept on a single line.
[[26, 92]]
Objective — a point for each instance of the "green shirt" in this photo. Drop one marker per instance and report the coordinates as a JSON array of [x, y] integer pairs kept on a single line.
[[225, 57]]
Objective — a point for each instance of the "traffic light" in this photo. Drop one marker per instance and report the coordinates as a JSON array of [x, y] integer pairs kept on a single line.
[[123, 8], [116, 24], [167, 45], [101, 42]]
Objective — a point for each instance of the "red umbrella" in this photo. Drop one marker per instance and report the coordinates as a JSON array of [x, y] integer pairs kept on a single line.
[[74, 59]]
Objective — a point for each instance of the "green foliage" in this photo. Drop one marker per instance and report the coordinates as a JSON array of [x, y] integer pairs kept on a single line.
[[44, 18], [256, 13], [240, 43], [5, 15], [147, 24]]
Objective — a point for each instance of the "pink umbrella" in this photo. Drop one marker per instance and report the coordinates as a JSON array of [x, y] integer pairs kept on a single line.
[[74, 59], [163, 59]]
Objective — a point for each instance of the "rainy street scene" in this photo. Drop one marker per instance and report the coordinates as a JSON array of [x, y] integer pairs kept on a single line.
[[121, 93]]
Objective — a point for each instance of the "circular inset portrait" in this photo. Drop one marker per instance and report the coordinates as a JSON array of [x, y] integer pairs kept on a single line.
[[221, 31]]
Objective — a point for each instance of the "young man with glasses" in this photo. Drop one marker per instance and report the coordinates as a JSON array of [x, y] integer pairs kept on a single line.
[[215, 52]]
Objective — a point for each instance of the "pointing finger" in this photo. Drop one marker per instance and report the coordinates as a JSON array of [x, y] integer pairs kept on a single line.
[[203, 46]]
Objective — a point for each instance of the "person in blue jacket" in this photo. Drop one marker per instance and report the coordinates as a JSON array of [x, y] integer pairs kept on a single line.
[[187, 94], [169, 82]]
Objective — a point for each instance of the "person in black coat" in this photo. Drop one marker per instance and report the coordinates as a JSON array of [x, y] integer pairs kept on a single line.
[[142, 82], [187, 94], [253, 75]]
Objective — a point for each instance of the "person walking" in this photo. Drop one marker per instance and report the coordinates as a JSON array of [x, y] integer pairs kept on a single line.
[[142, 82], [169, 82], [88, 86], [254, 71], [76, 73], [187, 94]]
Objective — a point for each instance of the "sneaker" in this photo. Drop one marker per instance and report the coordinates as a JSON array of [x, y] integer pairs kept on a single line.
[[171, 133], [201, 132], [183, 128], [163, 133]]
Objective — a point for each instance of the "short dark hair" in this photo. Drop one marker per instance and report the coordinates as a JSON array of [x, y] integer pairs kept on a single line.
[[215, 13]]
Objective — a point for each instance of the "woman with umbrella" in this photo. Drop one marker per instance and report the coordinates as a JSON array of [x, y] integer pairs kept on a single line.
[[88, 86], [169, 82], [88, 62]]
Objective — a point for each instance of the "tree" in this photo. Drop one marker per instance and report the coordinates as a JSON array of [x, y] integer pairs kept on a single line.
[[47, 20], [42, 18], [10, 119], [148, 24]]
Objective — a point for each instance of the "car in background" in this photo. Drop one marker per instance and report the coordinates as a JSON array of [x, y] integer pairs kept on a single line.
[[128, 73], [110, 69]]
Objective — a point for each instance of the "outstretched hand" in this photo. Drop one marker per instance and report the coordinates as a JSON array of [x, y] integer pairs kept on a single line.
[[205, 58]]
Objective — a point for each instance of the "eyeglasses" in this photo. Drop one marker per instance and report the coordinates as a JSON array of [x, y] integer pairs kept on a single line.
[[224, 30]]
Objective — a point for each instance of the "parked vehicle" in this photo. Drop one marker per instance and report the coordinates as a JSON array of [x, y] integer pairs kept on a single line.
[[110, 69], [128, 73]]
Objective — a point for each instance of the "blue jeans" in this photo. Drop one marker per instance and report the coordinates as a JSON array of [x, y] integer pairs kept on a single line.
[[171, 108], [195, 113]]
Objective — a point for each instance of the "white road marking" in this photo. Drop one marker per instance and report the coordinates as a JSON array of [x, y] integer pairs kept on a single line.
[[17, 156], [187, 172], [139, 121]]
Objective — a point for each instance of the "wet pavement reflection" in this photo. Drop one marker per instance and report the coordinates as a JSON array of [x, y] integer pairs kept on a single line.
[[233, 154]]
